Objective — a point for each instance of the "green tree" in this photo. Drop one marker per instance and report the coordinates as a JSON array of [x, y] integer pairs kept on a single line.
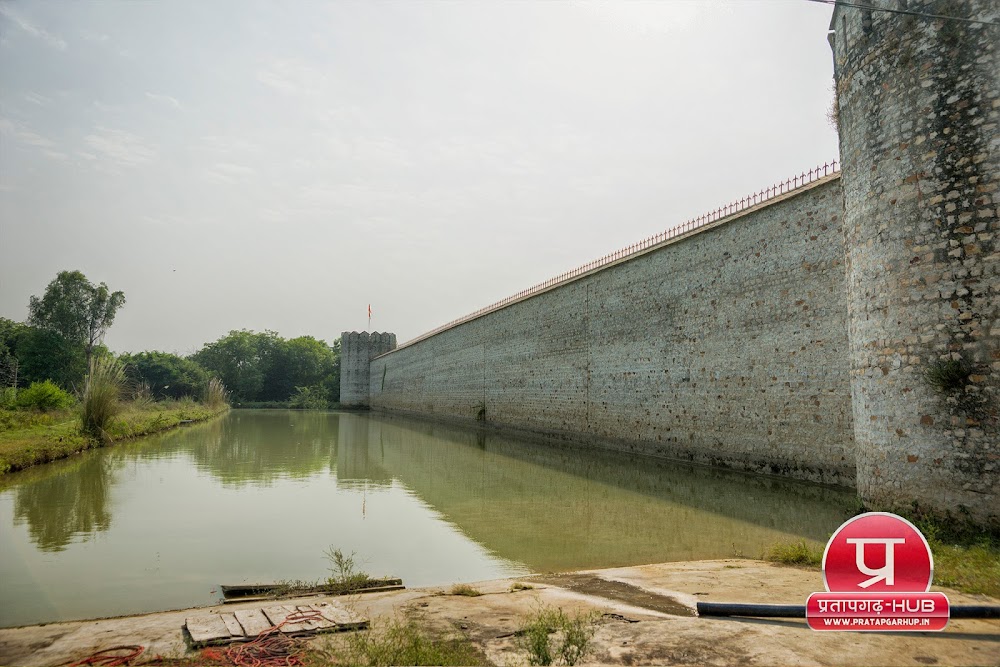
[[242, 360], [168, 375], [76, 309], [266, 367], [47, 355], [299, 362]]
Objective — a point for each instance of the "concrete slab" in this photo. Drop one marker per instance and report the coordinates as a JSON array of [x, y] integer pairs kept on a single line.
[[627, 632]]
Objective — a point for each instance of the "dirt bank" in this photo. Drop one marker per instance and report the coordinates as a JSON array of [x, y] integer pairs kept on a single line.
[[647, 617]]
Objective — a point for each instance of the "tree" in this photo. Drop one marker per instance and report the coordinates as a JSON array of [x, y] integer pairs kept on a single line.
[[242, 360], [168, 375], [264, 367], [76, 310]]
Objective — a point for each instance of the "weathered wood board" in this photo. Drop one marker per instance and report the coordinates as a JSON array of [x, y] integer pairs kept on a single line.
[[253, 621], [247, 624]]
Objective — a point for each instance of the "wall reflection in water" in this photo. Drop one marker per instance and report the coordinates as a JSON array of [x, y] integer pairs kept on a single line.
[[561, 507], [260, 495]]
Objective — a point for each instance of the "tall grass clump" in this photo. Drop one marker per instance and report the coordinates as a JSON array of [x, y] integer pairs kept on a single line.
[[551, 637], [102, 394], [215, 394]]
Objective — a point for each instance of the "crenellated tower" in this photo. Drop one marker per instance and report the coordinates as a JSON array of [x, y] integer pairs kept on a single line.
[[919, 116], [356, 352]]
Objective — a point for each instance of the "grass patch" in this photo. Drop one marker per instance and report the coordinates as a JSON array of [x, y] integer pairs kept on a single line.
[[794, 553], [398, 643], [520, 586], [966, 557], [551, 637], [465, 590], [30, 438]]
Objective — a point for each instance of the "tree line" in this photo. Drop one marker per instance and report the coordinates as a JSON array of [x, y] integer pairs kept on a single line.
[[65, 329]]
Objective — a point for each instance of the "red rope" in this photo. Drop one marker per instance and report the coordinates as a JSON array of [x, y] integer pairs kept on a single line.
[[104, 658], [271, 648]]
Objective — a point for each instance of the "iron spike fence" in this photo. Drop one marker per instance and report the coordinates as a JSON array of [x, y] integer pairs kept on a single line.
[[738, 206]]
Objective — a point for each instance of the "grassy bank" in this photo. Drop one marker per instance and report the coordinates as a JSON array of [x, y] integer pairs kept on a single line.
[[965, 558], [28, 438]]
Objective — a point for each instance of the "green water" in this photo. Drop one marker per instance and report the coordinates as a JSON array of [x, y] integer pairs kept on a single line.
[[259, 496]]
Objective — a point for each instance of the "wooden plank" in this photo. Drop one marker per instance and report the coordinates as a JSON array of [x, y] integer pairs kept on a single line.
[[315, 621], [338, 615], [277, 614], [235, 629], [253, 621], [207, 628]]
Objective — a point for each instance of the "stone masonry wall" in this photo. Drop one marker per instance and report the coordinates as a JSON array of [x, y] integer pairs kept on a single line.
[[919, 107], [356, 352], [727, 346]]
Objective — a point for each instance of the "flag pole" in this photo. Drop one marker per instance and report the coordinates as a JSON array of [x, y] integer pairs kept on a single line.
[[369, 317]]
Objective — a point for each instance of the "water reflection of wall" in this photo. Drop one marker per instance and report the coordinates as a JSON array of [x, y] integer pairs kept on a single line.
[[558, 508]]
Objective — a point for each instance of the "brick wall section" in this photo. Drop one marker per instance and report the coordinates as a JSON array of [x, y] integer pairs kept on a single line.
[[356, 352], [919, 112], [727, 346]]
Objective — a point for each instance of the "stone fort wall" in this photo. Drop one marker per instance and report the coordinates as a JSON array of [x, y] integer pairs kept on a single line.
[[919, 109], [727, 346], [847, 333]]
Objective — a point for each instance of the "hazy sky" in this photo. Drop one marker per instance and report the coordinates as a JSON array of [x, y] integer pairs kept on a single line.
[[265, 165]]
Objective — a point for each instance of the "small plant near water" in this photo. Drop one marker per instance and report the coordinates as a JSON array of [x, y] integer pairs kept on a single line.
[[520, 586], [465, 590], [551, 637], [101, 395], [794, 553], [344, 577]]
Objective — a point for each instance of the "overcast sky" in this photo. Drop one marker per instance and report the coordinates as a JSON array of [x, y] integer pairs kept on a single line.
[[266, 165]]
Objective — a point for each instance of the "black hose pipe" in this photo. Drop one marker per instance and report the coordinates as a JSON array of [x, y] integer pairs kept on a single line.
[[799, 610]]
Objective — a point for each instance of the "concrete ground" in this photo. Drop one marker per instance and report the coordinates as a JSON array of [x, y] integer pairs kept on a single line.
[[646, 616]]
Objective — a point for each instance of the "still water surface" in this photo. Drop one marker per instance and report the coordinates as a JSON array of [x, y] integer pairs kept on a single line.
[[259, 496]]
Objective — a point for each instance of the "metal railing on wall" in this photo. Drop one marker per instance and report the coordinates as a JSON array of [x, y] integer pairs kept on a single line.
[[684, 228]]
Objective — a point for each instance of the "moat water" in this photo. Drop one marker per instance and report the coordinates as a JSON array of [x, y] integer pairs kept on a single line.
[[260, 496]]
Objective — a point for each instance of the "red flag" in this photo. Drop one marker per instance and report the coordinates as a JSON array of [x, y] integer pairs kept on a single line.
[[369, 310]]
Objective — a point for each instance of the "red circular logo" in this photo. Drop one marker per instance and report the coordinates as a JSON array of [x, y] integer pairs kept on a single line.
[[877, 552]]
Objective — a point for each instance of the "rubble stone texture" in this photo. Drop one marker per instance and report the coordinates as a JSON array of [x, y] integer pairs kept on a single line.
[[918, 114]]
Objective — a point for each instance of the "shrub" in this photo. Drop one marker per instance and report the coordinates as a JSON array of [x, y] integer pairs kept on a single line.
[[465, 590], [552, 637], [43, 396], [344, 577], [101, 394], [309, 398], [8, 398], [794, 553]]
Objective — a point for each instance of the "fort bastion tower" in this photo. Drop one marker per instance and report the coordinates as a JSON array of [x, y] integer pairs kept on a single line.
[[920, 145]]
